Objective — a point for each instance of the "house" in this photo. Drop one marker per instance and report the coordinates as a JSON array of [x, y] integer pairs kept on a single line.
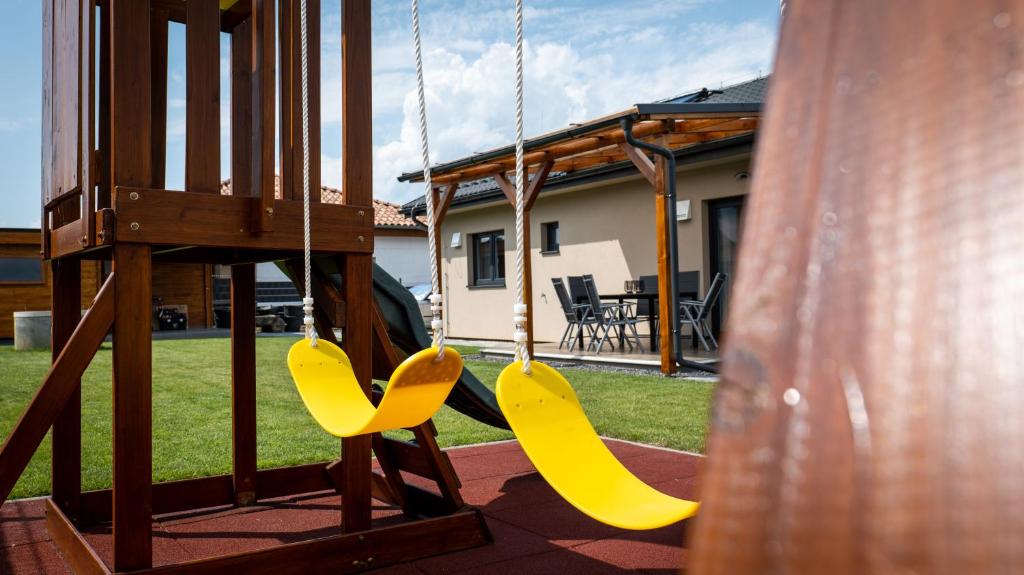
[[595, 213], [25, 282]]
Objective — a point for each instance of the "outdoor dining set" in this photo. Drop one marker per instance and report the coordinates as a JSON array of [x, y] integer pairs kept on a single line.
[[595, 320]]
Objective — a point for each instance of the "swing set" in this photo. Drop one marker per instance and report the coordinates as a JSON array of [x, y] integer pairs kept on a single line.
[[107, 202]]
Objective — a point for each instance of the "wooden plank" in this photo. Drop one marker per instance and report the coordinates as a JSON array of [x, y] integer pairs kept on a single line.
[[168, 497], [66, 463], [291, 99], [532, 191], [243, 382], [643, 163], [57, 387], [241, 110], [47, 120], [202, 89], [214, 491], [666, 343], [185, 218], [71, 98], [130, 94], [408, 457], [263, 118], [105, 143], [392, 477], [132, 411], [75, 550], [350, 552], [87, 136], [293, 480], [159, 69]]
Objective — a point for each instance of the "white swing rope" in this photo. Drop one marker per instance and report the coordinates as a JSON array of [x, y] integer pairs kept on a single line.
[[436, 322], [307, 301], [519, 334]]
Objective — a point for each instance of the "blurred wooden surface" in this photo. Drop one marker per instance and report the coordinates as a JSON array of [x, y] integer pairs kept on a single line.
[[871, 410]]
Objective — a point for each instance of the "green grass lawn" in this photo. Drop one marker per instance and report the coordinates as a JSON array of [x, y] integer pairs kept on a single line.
[[192, 411]]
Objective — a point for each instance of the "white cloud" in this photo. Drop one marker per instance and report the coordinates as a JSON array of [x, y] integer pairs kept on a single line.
[[568, 79]]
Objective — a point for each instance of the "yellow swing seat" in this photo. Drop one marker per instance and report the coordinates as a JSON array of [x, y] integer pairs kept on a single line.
[[333, 396], [549, 422]]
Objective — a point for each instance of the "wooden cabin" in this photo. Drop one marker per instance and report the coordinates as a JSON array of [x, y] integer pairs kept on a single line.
[[25, 280]]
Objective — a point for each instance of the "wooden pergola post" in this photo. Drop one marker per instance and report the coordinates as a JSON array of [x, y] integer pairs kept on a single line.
[[442, 201], [530, 197], [654, 172]]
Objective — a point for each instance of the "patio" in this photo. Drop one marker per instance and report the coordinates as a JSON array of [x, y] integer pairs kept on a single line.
[[534, 530], [646, 359]]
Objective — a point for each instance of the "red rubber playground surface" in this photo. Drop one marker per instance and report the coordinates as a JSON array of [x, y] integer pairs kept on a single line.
[[535, 531]]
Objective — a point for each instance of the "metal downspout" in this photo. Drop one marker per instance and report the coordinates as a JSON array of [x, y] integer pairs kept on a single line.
[[673, 251]]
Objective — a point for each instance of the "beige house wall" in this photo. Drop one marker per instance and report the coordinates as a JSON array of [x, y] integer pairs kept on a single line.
[[607, 229]]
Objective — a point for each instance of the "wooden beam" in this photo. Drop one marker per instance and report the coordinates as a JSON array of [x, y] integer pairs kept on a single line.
[[66, 463], [74, 548], [58, 386], [532, 191], [641, 161], [507, 187], [133, 407], [603, 139], [243, 383], [202, 88], [357, 190], [186, 218]]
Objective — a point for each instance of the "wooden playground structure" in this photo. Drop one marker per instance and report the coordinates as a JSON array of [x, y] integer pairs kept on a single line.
[[107, 202]]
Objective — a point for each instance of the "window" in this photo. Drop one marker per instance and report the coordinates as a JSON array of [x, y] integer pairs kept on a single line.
[[549, 238], [489, 258], [21, 270]]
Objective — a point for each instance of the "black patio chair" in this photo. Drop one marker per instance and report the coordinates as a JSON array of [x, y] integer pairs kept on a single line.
[[609, 318], [577, 291], [578, 316], [697, 313]]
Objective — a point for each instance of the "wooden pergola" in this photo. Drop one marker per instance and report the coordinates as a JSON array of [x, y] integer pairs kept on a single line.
[[601, 142]]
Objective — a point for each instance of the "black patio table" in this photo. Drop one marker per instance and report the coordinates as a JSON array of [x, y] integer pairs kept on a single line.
[[652, 316]]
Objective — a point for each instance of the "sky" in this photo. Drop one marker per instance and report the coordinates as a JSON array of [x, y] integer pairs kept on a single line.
[[583, 59]]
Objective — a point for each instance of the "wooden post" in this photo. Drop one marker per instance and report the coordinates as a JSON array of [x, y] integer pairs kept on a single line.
[[133, 418], [263, 80], [654, 172], [66, 466], [158, 74], [666, 342], [241, 110], [202, 85], [357, 186], [243, 382], [131, 165], [291, 98]]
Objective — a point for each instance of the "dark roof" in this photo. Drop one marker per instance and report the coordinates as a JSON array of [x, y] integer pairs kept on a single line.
[[748, 93]]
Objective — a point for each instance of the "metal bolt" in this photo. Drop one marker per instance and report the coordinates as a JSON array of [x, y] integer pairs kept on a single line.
[[361, 213], [361, 538], [360, 238], [85, 240], [133, 196], [270, 211], [135, 226]]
